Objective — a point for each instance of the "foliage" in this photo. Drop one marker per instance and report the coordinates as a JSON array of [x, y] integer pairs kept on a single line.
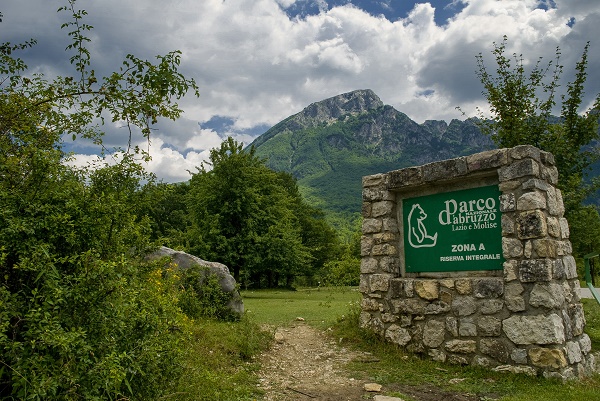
[[201, 295], [521, 106], [252, 219], [81, 318]]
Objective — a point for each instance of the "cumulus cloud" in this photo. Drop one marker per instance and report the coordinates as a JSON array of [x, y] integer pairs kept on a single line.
[[255, 65]]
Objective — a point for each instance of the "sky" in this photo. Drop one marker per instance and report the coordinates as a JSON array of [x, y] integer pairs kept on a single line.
[[257, 62]]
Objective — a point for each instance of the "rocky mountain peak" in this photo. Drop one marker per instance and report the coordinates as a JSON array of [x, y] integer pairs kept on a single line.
[[329, 110]]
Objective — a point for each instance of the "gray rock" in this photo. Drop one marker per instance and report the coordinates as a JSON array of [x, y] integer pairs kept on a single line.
[[550, 296], [534, 329], [433, 333], [185, 261]]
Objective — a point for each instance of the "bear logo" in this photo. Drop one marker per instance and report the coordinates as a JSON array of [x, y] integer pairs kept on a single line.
[[417, 232]]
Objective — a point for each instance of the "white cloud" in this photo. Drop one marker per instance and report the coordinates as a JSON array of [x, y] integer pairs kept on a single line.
[[256, 66]]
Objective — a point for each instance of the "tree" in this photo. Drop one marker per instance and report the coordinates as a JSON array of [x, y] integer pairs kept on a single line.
[[80, 316], [253, 220], [521, 106]]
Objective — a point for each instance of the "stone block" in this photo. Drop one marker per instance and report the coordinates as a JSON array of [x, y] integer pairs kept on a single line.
[[384, 250], [464, 306], [512, 297], [531, 201], [549, 174], [461, 346], [463, 286], [531, 224], [524, 152], [570, 267], [547, 358], [510, 270], [389, 265], [444, 170], [523, 168], [409, 288], [457, 360], [371, 226], [491, 306], [519, 355], [527, 370], [382, 208], [496, 349], [577, 319], [437, 307], [366, 245], [390, 224], [556, 206], [492, 159], [553, 227], [467, 328], [533, 270], [368, 265], [573, 352], [366, 210], [547, 295], [379, 282], [564, 228], [436, 355], [369, 304], [363, 285], [446, 296], [452, 326], [488, 287], [536, 183], [397, 335], [585, 344], [545, 248], [508, 203], [433, 333], [427, 289], [396, 288], [374, 180], [535, 329], [508, 225], [547, 158], [388, 318], [405, 177], [413, 306], [509, 186], [489, 326], [512, 248]]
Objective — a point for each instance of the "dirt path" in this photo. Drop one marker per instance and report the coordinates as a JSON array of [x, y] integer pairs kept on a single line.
[[304, 364]]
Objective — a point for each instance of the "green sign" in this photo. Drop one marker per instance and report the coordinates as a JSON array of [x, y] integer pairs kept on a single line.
[[453, 231]]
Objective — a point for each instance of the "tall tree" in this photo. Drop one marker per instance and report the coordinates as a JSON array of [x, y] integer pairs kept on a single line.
[[521, 105]]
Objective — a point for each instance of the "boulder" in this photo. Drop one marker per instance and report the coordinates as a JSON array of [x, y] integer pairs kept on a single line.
[[185, 261]]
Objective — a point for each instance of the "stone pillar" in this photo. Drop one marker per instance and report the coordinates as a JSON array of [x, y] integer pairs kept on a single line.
[[525, 318]]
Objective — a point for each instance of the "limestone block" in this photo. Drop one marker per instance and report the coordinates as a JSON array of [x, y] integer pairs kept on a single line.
[[368, 265], [555, 202], [570, 266], [437, 355], [528, 250], [585, 344], [452, 326], [388, 318], [509, 186], [482, 361], [524, 152], [427, 289], [531, 224], [382, 208], [446, 296], [371, 226], [489, 326], [510, 270], [487, 160], [364, 320], [445, 169], [573, 352], [463, 286], [559, 272], [564, 248], [512, 248], [577, 319], [547, 295], [549, 174], [363, 285], [405, 320], [409, 288], [384, 238], [366, 245], [464, 306], [508, 225], [553, 226], [547, 357], [536, 183], [512, 297], [433, 333], [508, 202], [384, 250], [564, 227], [527, 370], [447, 283], [366, 210], [467, 328], [547, 158], [519, 355], [390, 224], [437, 307], [397, 335], [405, 177], [491, 306], [488, 287], [458, 360], [374, 180], [531, 201], [495, 348], [523, 168], [369, 304], [545, 248], [534, 270], [396, 288], [461, 346], [413, 306], [379, 282], [534, 329], [389, 264]]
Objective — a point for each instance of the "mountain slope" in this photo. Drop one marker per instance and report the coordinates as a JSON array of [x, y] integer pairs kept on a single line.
[[330, 145]]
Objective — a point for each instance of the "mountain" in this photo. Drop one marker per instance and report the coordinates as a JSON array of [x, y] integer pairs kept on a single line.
[[330, 145]]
